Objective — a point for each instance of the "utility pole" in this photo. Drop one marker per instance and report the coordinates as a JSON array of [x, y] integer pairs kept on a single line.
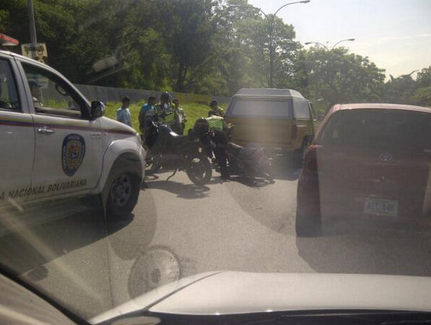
[[33, 49], [33, 37]]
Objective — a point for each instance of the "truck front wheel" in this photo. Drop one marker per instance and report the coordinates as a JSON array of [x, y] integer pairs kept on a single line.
[[122, 188]]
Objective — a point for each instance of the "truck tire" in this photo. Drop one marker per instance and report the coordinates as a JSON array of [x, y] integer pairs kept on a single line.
[[308, 226], [305, 144], [122, 189]]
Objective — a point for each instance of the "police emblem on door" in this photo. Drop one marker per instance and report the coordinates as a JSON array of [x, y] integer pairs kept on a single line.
[[72, 154]]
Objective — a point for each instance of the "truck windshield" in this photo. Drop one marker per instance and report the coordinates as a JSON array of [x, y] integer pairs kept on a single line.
[[259, 107]]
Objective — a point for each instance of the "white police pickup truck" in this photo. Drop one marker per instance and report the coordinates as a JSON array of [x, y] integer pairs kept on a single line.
[[55, 144]]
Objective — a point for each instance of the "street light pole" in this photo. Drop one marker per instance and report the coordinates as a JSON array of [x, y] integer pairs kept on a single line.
[[318, 43], [326, 48], [343, 40], [33, 37]]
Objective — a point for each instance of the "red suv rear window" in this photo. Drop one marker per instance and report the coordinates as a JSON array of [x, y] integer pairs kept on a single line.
[[378, 129]]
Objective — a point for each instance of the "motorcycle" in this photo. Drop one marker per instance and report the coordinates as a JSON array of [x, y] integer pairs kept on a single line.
[[249, 161], [171, 151]]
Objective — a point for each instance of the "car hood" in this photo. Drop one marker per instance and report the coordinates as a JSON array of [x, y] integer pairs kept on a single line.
[[115, 126], [219, 293]]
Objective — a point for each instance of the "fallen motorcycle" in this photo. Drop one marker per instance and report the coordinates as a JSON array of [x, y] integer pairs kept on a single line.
[[245, 161], [249, 162], [170, 151]]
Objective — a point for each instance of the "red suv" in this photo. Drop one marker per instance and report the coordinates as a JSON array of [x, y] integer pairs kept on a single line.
[[367, 160]]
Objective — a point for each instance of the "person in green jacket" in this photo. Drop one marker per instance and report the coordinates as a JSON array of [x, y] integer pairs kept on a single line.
[[182, 117], [219, 129], [215, 109], [166, 111]]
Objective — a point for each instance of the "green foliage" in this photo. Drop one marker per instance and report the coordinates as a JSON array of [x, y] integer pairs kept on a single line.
[[334, 76], [422, 94], [202, 46], [406, 90], [422, 97]]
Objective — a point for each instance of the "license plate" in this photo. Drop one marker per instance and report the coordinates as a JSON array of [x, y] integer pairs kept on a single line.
[[381, 207]]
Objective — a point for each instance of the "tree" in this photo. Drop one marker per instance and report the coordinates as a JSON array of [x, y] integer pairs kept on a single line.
[[422, 95], [399, 90], [187, 32], [245, 47], [334, 76]]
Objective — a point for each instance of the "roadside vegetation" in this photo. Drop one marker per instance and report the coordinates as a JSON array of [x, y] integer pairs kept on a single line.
[[203, 47], [192, 110]]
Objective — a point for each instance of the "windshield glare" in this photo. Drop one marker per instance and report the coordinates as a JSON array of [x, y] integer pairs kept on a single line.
[[225, 157]]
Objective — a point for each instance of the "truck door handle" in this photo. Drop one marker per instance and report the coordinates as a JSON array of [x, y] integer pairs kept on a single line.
[[45, 130]]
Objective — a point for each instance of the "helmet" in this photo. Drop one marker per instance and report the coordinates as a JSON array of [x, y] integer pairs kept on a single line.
[[165, 95], [201, 127], [214, 103]]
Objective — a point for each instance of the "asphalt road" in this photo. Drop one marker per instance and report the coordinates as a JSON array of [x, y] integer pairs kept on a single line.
[[178, 229]]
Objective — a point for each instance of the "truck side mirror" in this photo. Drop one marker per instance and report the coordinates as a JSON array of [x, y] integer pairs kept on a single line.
[[97, 109]]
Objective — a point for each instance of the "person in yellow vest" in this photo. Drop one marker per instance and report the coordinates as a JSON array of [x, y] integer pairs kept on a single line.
[[182, 117], [218, 130], [217, 123], [215, 109], [166, 111]]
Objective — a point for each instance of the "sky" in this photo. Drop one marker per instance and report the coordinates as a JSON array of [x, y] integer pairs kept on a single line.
[[394, 34]]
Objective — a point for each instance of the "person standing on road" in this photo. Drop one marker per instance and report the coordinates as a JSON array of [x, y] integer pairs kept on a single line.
[[182, 118], [123, 113], [218, 129], [215, 109], [147, 110], [166, 111]]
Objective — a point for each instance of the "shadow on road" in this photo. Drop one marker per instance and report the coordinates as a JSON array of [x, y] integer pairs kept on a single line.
[[185, 191], [130, 236], [29, 248], [286, 168], [250, 181], [372, 250]]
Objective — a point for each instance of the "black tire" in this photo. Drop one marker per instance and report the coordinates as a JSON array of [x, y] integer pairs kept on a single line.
[[269, 172], [153, 165], [199, 169], [308, 226], [122, 189], [305, 144]]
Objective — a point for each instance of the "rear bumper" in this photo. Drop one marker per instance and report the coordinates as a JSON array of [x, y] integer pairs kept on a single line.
[[328, 212], [334, 214], [347, 206], [362, 223]]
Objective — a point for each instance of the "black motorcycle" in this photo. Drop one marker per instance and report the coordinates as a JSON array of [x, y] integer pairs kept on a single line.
[[249, 161], [245, 161], [171, 151]]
